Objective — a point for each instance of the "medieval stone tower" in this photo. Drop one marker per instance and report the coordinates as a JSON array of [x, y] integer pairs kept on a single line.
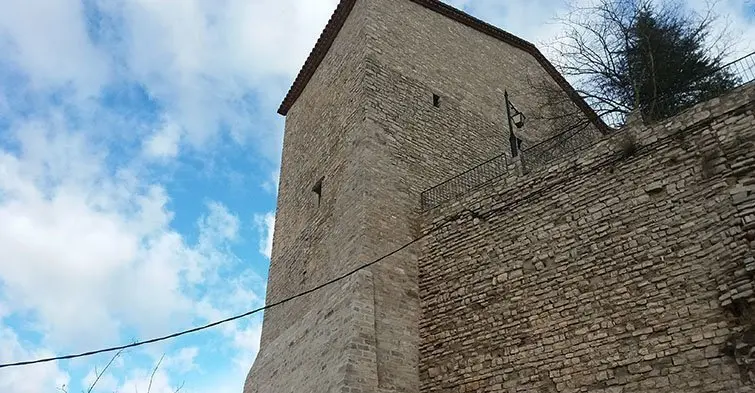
[[396, 96]]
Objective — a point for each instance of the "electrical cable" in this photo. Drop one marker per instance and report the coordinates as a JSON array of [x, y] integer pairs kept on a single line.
[[239, 316], [216, 323], [497, 209]]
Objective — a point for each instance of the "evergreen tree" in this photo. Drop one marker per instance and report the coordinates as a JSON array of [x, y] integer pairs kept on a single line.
[[628, 54], [669, 65]]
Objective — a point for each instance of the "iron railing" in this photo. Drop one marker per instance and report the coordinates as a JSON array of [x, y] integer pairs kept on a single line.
[[741, 71], [561, 145], [466, 181], [565, 144], [743, 68]]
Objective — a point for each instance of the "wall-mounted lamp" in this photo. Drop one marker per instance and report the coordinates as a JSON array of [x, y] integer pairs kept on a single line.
[[514, 114], [517, 117]]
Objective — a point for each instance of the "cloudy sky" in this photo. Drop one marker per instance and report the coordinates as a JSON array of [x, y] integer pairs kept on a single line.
[[139, 149]]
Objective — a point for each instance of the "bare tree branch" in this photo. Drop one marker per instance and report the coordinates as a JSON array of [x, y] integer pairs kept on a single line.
[[627, 54], [149, 388], [178, 389], [99, 375]]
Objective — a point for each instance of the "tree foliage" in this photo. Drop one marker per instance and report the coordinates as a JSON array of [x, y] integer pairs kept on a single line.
[[628, 54], [674, 69]]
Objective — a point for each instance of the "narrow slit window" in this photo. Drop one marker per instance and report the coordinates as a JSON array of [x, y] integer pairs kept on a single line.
[[317, 189], [436, 100]]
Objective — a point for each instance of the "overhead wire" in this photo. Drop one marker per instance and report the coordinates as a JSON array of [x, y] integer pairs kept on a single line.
[[216, 323], [406, 245]]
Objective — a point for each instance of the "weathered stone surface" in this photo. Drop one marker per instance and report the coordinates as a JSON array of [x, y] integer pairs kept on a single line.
[[366, 125], [596, 272], [635, 295]]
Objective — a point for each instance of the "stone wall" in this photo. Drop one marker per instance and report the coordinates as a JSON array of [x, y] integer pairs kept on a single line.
[[472, 68], [366, 124], [320, 142], [413, 54], [617, 270], [412, 145], [308, 344]]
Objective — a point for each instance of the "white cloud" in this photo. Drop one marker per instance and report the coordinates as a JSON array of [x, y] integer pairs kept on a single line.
[[218, 226], [731, 18], [48, 40], [183, 361], [244, 334], [247, 342], [164, 143], [271, 184], [164, 382], [145, 381], [79, 238], [213, 66], [536, 20], [209, 61], [30, 379], [4, 311], [266, 228], [88, 248], [530, 19], [89, 252]]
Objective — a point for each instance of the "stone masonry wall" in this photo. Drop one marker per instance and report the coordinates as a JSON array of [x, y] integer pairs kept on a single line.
[[320, 142], [614, 271], [411, 145], [366, 125], [472, 68], [323, 350], [310, 344]]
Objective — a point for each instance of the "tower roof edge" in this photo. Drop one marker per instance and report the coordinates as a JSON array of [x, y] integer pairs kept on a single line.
[[343, 10]]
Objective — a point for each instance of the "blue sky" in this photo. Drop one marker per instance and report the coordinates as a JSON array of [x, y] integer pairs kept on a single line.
[[139, 154]]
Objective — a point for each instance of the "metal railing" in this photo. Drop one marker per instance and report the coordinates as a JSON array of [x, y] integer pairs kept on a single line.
[[743, 68], [741, 71], [466, 181], [566, 143], [561, 145]]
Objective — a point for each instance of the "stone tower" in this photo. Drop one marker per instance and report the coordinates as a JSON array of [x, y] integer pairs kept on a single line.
[[396, 96]]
